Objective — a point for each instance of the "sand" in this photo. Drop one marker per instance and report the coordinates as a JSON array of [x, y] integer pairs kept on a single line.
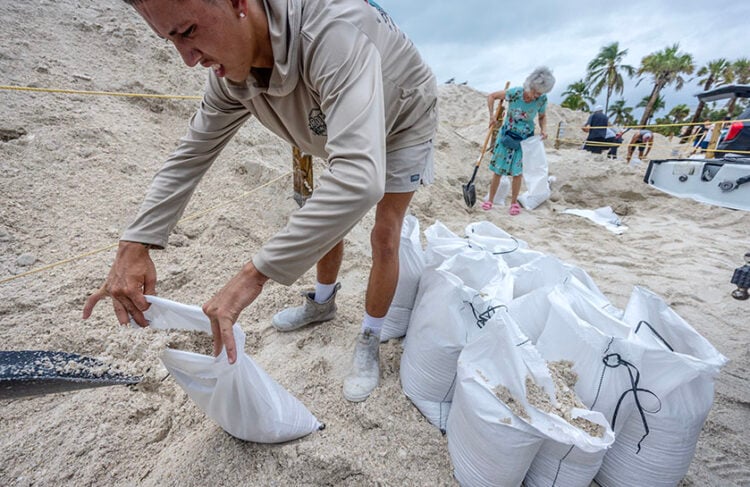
[[74, 169]]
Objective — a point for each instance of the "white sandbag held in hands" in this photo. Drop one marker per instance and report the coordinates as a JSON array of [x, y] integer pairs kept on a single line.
[[410, 265], [687, 365], [446, 314], [535, 173], [245, 401]]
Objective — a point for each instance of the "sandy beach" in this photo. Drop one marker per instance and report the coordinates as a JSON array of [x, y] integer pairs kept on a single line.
[[75, 167]]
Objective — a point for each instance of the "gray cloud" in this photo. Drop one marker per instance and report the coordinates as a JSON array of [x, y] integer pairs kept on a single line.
[[488, 42]]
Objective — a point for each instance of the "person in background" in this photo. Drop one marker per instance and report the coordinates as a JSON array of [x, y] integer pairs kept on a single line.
[[524, 103], [339, 80], [643, 140], [596, 128], [613, 139], [704, 134]]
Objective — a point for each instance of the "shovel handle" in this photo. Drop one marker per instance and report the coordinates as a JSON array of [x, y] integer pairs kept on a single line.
[[498, 114]]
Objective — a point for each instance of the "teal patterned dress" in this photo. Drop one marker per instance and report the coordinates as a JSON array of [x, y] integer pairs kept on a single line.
[[520, 119]]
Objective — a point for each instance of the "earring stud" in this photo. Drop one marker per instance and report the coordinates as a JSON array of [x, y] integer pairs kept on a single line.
[[242, 15]]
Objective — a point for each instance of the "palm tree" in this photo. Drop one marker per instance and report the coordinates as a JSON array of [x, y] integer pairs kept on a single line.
[[605, 71], [577, 97], [679, 113], [717, 72], [741, 71], [665, 67], [656, 106], [622, 115], [741, 68]]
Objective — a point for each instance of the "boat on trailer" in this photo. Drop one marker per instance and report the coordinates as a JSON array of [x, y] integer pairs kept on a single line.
[[722, 182]]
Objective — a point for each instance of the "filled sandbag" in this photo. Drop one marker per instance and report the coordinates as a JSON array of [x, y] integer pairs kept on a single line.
[[241, 398], [687, 366], [506, 401], [488, 236], [605, 359], [503, 190], [411, 263], [442, 244], [535, 173], [453, 303], [531, 309]]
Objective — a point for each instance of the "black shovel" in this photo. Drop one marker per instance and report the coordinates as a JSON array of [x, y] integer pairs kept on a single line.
[[469, 190], [36, 372]]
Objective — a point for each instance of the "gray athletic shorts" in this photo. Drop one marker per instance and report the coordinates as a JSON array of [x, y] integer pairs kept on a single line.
[[409, 167]]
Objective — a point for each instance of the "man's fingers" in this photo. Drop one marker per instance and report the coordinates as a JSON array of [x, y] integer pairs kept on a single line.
[[228, 337], [92, 301], [216, 332], [149, 285], [139, 301], [125, 309], [138, 316], [122, 315]]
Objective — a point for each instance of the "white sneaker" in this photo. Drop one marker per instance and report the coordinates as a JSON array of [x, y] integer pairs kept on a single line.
[[365, 374], [310, 312]]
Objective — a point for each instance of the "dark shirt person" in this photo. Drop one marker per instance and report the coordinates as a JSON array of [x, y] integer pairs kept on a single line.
[[596, 127]]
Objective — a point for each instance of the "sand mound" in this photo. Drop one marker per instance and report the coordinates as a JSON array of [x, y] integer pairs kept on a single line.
[[74, 169]]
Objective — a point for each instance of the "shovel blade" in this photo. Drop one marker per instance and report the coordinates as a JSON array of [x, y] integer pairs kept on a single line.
[[36, 372], [470, 194]]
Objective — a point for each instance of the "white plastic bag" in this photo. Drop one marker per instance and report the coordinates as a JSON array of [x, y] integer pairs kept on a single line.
[[598, 344], [604, 216], [442, 244], [687, 365], [535, 173], [531, 309], [446, 314], [484, 434], [245, 401], [411, 265], [488, 236], [503, 190]]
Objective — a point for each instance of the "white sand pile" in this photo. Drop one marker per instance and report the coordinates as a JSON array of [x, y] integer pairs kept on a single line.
[[74, 168]]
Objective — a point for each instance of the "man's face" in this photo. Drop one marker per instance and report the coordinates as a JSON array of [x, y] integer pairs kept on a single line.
[[213, 34]]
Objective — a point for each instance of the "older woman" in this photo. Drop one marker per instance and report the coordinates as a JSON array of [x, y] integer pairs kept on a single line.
[[523, 104]]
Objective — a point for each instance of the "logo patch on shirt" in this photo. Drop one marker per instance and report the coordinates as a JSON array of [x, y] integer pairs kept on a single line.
[[317, 122], [414, 178]]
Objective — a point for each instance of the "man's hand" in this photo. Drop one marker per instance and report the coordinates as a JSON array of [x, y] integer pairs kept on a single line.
[[225, 307], [132, 275]]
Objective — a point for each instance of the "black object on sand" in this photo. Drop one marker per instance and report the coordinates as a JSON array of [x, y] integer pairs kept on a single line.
[[36, 372]]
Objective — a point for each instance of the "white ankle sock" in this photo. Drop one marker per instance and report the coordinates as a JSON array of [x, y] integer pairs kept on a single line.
[[372, 324], [323, 292]]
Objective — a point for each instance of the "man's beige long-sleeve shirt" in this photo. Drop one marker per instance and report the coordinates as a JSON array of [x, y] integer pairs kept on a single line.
[[347, 86]]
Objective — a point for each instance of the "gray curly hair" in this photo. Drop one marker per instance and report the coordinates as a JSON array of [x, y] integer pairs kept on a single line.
[[540, 80]]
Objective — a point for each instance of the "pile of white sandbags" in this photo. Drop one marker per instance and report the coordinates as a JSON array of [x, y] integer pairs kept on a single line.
[[495, 328]]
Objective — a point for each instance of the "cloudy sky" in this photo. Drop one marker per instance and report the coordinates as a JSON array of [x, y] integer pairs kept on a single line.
[[488, 42]]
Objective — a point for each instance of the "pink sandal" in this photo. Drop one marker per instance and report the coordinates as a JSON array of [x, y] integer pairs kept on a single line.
[[515, 209], [487, 205]]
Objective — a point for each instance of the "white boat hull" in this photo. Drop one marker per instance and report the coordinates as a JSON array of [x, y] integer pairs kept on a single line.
[[721, 182]]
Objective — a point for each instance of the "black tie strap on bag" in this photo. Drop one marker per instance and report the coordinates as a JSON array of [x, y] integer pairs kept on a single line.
[[484, 316], [644, 322], [614, 360]]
